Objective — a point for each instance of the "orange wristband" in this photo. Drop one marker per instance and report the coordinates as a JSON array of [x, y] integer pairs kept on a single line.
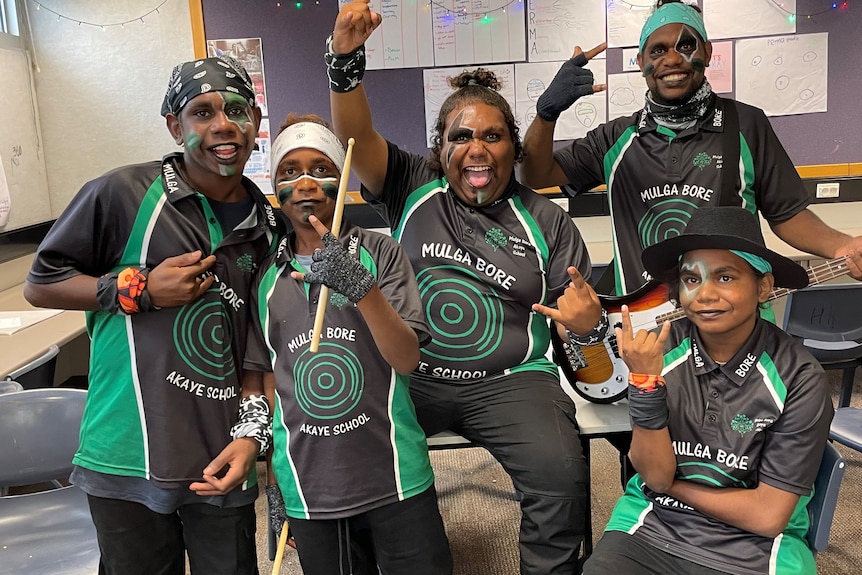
[[645, 382], [131, 283]]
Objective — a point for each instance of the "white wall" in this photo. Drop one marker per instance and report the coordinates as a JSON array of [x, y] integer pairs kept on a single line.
[[99, 92]]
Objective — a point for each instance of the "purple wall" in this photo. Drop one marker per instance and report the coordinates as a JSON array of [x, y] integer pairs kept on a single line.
[[293, 44]]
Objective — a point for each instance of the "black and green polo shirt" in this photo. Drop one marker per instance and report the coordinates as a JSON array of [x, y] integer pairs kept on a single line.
[[762, 417], [345, 435], [657, 178], [164, 385], [480, 270]]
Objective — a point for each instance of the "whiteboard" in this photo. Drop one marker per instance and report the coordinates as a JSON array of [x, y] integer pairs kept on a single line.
[[20, 144]]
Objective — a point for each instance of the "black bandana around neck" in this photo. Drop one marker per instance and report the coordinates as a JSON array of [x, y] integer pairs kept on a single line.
[[684, 115]]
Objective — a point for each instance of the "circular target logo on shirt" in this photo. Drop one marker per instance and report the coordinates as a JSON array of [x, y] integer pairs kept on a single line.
[[464, 314], [329, 383], [203, 338], [666, 219]]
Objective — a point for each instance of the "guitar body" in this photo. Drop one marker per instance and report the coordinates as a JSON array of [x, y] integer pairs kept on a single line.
[[596, 372]]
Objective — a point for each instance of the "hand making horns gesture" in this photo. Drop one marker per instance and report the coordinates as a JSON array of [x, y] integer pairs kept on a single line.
[[642, 352]]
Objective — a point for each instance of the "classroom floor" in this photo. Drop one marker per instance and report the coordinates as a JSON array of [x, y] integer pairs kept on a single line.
[[481, 515]]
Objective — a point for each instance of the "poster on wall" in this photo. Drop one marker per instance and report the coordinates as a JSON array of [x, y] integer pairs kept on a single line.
[[257, 167], [249, 53]]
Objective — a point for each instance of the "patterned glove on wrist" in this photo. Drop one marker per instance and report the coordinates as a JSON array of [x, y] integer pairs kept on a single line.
[[571, 82], [345, 71], [275, 507], [334, 267]]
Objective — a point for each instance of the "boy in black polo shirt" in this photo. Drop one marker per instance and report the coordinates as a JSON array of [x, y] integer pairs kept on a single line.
[[730, 416], [161, 256]]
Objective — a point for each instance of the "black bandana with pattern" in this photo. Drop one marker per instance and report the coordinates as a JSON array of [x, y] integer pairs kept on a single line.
[[684, 115], [190, 79]]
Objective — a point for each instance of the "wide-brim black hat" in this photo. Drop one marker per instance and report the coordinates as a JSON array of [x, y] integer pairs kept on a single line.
[[723, 228]]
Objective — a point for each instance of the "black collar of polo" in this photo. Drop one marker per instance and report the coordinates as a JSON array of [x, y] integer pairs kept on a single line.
[[177, 188], [741, 365]]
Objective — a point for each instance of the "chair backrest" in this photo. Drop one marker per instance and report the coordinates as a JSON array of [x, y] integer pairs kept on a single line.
[[9, 386], [39, 434], [828, 319], [39, 372], [821, 508]]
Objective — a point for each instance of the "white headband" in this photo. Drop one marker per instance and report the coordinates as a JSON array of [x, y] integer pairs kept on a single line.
[[306, 135]]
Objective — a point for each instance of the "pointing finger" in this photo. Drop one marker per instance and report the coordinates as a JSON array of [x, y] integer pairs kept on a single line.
[[547, 311], [595, 51], [318, 225], [663, 334]]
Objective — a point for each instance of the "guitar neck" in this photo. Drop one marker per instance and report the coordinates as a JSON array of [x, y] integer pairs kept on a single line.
[[826, 271]]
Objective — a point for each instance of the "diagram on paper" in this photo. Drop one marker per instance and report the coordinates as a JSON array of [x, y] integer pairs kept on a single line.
[[783, 75]]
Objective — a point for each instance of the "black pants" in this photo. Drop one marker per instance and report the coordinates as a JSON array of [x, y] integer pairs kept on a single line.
[[407, 538], [619, 553], [135, 540], [527, 422]]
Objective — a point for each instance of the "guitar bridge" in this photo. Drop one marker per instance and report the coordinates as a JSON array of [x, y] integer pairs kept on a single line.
[[575, 356]]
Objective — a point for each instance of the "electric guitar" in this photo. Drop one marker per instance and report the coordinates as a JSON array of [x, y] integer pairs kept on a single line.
[[597, 372]]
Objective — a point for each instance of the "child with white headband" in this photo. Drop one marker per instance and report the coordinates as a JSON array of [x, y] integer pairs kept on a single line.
[[346, 444]]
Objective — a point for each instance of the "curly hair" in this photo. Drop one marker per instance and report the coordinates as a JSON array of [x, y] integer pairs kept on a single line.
[[471, 86], [294, 118]]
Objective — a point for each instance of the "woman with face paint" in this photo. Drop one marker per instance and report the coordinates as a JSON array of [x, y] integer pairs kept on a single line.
[[730, 416], [347, 449], [687, 148], [160, 257], [484, 249]]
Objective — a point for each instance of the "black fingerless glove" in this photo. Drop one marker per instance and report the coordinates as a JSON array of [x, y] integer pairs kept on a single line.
[[335, 268], [571, 82], [275, 508]]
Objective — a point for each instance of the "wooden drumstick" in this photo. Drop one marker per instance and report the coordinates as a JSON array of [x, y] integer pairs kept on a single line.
[[323, 296], [279, 554]]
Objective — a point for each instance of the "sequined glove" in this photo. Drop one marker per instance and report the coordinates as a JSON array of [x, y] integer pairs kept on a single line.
[[275, 507], [334, 267], [572, 81]]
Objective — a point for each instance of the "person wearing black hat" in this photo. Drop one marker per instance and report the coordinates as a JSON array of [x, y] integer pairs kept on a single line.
[[730, 416], [161, 256]]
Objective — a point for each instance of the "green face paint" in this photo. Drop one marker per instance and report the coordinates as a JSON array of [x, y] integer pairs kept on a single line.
[[227, 170], [649, 70], [193, 140], [284, 194], [698, 65], [330, 190], [237, 110]]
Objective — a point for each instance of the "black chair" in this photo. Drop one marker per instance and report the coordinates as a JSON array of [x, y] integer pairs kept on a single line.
[[827, 319], [821, 507], [37, 373]]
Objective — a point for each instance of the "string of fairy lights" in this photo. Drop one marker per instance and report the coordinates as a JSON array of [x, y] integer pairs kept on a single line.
[[447, 7], [103, 25]]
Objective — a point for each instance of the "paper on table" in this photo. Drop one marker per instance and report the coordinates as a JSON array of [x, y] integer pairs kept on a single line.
[[12, 321]]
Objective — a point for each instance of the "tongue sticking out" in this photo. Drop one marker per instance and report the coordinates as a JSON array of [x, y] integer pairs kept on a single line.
[[478, 179]]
